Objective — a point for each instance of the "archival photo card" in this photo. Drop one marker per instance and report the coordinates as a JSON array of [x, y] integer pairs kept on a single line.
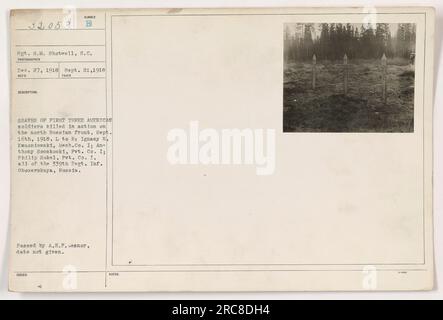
[[267, 149]]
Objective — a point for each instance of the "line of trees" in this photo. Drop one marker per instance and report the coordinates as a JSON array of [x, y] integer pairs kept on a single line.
[[331, 41]]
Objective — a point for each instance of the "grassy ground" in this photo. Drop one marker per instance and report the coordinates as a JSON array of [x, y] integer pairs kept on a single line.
[[327, 109]]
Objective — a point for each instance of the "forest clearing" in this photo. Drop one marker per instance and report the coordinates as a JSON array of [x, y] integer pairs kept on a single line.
[[326, 108], [349, 77]]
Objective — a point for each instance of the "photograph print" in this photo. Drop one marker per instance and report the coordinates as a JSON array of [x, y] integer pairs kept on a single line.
[[349, 77]]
